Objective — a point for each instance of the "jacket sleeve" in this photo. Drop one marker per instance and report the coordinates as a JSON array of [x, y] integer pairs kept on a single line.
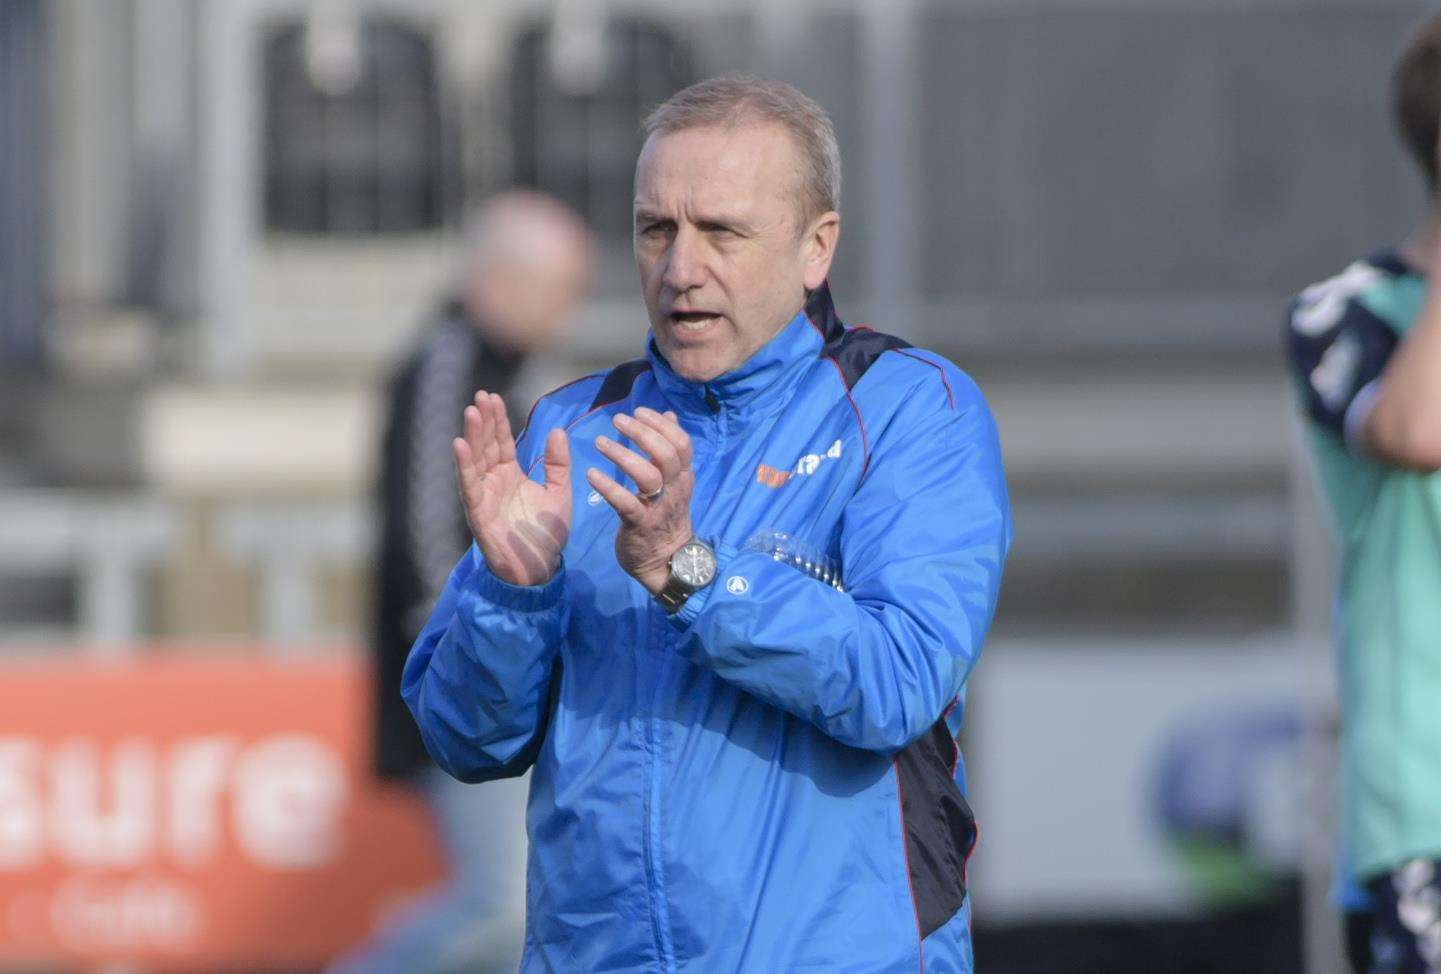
[[922, 544], [480, 675], [1337, 359]]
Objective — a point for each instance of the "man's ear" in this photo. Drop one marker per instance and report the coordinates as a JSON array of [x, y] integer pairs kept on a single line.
[[818, 247]]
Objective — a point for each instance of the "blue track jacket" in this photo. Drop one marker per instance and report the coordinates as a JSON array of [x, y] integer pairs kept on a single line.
[[767, 781]]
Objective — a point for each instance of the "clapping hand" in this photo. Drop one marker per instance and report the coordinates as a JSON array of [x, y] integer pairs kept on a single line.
[[520, 525], [655, 519]]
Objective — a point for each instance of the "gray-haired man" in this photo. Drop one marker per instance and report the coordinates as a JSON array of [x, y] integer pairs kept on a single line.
[[735, 649]]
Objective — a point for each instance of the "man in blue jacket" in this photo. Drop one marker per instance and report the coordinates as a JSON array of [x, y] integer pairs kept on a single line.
[[734, 652]]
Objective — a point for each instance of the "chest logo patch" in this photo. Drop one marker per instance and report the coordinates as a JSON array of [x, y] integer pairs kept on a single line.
[[775, 478]]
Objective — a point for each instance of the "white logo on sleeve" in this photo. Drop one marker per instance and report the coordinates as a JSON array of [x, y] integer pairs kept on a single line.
[[1320, 306], [1335, 376], [737, 585]]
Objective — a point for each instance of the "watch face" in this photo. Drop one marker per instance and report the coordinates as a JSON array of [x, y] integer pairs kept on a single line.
[[694, 565]]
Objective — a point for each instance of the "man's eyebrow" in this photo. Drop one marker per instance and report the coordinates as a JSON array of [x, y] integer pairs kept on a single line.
[[733, 220], [646, 214]]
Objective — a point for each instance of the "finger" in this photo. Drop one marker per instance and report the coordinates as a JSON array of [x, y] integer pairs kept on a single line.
[[662, 453], [666, 425], [623, 502], [557, 459], [479, 503], [646, 475], [504, 437], [465, 472], [475, 436], [490, 445]]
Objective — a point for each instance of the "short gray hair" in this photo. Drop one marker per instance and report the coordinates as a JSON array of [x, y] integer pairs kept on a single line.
[[737, 98]]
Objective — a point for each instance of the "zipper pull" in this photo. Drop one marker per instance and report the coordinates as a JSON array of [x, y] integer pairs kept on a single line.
[[712, 403]]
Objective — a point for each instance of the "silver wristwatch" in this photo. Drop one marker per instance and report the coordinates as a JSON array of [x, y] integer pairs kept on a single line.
[[692, 568]]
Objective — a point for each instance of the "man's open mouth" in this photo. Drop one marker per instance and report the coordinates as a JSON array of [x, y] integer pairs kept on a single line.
[[693, 320]]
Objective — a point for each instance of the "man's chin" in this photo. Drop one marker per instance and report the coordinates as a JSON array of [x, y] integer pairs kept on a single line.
[[695, 364], [695, 371]]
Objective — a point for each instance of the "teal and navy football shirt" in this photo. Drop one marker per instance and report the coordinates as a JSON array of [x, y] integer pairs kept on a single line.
[[1341, 333]]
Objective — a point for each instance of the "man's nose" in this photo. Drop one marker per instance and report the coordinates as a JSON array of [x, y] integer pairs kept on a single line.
[[684, 265]]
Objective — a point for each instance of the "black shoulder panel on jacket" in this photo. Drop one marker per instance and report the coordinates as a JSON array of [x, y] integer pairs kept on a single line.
[[857, 351], [618, 382], [854, 350], [939, 826]]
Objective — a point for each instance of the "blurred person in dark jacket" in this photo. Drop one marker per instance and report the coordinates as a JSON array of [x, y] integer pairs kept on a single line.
[[527, 266]]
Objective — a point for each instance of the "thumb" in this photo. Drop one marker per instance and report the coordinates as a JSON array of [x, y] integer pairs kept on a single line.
[[557, 460]]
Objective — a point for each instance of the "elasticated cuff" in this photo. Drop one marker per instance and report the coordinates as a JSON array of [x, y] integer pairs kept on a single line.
[[521, 598]]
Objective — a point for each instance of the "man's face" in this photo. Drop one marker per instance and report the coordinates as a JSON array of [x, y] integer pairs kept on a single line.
[[723, 257]]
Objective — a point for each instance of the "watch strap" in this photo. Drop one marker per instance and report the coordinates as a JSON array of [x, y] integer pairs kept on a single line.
[[673, 594]]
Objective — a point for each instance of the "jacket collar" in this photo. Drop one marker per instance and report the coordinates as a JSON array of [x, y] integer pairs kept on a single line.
[[765, 380]]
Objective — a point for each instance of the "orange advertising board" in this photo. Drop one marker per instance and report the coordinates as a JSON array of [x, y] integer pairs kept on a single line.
[[197, 814]]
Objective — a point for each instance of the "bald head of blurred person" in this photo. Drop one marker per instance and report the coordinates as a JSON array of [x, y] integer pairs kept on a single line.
[[527, 266]]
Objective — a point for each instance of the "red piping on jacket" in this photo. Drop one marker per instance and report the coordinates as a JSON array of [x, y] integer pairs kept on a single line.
[[865, 440], [950, 396]]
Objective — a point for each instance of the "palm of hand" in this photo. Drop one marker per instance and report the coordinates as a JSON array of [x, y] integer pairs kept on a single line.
[[521, 526]]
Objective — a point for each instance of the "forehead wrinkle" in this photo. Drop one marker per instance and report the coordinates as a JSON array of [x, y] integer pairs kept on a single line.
[[729, 190]]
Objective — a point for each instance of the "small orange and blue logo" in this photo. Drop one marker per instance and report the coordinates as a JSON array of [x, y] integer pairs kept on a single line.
[[775, 477]]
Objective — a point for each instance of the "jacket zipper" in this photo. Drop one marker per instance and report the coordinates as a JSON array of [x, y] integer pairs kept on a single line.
[[655, 868]]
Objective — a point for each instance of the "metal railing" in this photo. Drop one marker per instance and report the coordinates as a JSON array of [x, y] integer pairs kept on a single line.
[[108, 543]]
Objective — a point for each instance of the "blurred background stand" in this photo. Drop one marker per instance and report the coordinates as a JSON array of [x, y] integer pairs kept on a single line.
[[291, 548], [101, 548]]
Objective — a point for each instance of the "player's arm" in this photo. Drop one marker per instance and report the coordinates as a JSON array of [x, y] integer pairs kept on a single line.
[[1339, 350], [1403, 423], [479, 677], [922, 546]]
